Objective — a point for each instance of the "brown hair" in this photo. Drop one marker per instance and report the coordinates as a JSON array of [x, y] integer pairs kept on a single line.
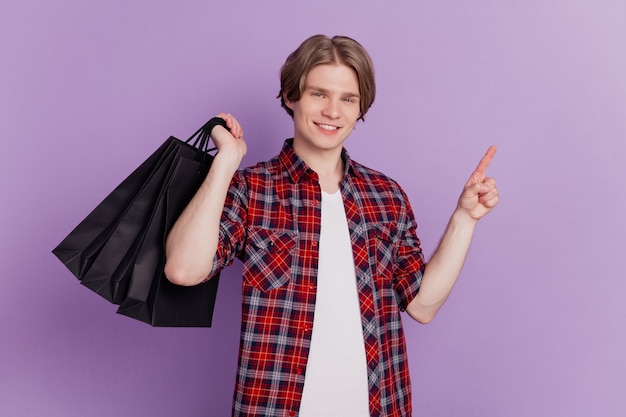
[[318, 50]]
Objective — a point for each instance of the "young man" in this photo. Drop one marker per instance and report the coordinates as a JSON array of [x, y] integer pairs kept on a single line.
[[329, 246]]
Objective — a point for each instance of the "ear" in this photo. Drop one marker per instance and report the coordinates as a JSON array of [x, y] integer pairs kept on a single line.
[[288, 103]]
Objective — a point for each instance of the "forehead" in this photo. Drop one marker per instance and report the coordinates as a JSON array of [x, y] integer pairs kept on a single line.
[[337, 78]]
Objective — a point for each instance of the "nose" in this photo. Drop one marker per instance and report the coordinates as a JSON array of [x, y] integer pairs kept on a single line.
[[331, 109]]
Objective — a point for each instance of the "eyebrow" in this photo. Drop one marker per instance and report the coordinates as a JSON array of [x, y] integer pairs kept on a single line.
[[326, 92]]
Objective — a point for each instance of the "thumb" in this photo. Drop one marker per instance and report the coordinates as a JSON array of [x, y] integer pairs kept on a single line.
[[486, 185]]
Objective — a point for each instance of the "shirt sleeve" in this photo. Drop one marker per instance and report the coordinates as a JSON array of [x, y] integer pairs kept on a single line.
[[409, 264], [232, 225]]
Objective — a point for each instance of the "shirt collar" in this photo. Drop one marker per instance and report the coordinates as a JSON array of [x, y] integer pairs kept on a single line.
[[297, 168]]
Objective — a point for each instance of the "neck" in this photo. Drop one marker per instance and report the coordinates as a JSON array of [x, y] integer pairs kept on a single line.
[[330, 179]]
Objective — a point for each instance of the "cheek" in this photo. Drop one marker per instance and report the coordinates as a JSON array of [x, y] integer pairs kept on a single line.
[[353, 113], [308, 108]]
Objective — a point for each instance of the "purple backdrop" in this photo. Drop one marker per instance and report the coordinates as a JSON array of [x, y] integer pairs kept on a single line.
[[535, 326]]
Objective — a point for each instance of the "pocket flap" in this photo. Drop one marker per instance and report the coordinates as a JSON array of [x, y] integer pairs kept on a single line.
[[386, 231], [274, 240]]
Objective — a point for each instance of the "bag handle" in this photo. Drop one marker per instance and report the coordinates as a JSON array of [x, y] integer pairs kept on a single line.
[[203, 134]]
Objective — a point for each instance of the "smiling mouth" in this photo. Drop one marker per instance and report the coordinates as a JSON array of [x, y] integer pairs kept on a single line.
[[328, 128]]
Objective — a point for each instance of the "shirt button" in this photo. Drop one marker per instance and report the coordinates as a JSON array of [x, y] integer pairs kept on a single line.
[[314, 243], [292, 413], [315, 202]]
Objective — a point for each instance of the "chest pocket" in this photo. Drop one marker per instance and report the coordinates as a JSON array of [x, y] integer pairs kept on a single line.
[[268, 258], [385, 244]]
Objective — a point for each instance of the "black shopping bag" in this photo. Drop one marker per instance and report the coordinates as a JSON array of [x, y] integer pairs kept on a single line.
[[80, 248], [109, 268], [150, 297], [132, 221]]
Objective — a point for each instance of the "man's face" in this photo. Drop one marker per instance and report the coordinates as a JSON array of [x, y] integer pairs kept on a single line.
[[327, 111]]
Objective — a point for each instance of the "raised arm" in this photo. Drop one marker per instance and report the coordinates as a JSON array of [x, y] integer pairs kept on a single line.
[[478, 198], [192, 242]]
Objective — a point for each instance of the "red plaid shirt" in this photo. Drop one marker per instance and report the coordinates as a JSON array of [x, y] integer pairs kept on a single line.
[[271, 221]]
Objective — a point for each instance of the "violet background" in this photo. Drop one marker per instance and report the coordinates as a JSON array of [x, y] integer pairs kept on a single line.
[[535, 326]]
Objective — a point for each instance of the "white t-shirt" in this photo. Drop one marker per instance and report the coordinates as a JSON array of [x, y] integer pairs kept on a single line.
[[336, 374]]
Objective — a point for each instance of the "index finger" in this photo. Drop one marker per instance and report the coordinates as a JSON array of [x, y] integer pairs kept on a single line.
[[480, 171]]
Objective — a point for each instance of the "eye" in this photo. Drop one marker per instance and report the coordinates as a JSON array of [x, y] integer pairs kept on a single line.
[[317, 94]]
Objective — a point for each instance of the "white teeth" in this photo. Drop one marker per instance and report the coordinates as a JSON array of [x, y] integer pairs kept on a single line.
[[327, 127]]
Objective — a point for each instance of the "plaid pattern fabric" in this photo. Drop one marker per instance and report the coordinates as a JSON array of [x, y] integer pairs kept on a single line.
[[271, 222]]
